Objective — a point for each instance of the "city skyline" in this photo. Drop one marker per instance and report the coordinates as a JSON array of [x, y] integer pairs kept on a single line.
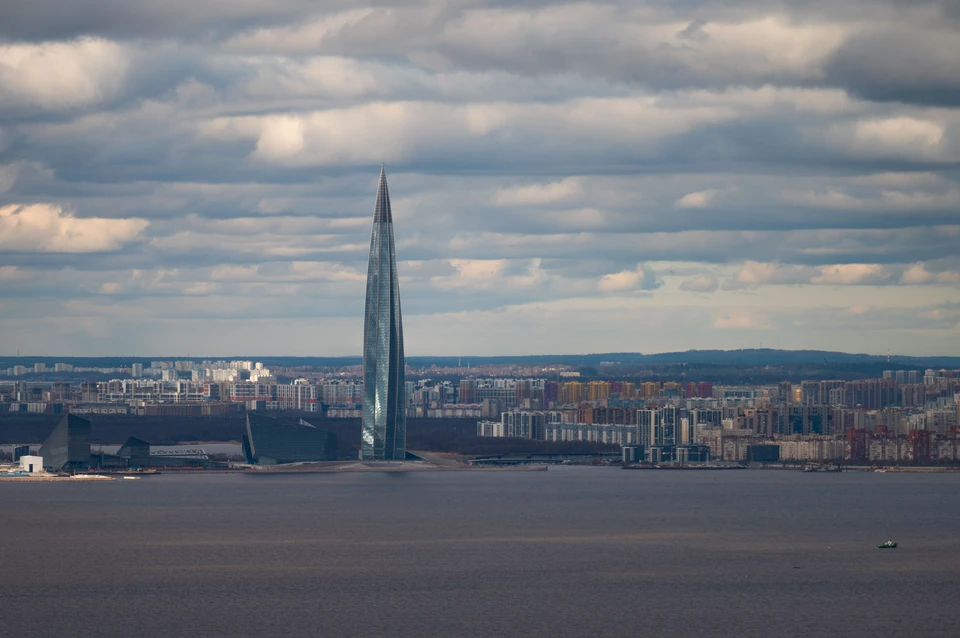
[[384, 433], [698, 175], [902, 416]]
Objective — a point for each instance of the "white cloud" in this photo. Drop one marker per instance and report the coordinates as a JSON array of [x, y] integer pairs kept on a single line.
[[581, 219], [771, 99], [61, 75], [396, 131], [741, 320], [912, 134], [899, 133], [501, 276], [538, 194], [48, 228], [918, 274], [368, 133], [327, 77], [280, 137], [699, 199], [641, 278], [256, 245], [472, 273], [638, 43], [294, 271], [755, 273], [893, 180], [770, 45], [851, 274], [9, 273], [299, 37], [534, 276], [707, 282], [8, 175], [944, 197]]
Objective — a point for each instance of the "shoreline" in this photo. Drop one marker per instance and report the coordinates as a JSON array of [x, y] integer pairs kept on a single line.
[[351, 467], [79, 478]]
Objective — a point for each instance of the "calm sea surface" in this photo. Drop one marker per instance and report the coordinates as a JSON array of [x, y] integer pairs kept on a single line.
[[573, 551]]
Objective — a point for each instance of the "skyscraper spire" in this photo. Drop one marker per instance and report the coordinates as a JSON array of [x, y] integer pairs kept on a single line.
[[382, 210], [384, 435]]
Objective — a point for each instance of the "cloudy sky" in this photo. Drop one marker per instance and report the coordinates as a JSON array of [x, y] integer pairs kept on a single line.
[[197, 177]]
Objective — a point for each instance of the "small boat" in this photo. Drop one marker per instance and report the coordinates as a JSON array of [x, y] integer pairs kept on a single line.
[[887, 545], [131, 478]]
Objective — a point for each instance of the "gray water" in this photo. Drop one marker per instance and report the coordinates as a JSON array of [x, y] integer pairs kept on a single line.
[[573, 551]]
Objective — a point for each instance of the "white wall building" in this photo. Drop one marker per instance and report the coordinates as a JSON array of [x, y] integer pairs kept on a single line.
[[31, 464]]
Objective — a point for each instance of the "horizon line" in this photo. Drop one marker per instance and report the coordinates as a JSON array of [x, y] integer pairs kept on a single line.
[[491, 356]]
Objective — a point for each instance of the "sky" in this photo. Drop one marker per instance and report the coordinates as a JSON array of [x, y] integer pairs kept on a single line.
[[197, 177]]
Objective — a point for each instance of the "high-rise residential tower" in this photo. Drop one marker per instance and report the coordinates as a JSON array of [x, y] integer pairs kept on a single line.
[[384, 436]]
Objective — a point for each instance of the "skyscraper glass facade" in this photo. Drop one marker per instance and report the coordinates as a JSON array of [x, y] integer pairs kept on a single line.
[[384, 434]]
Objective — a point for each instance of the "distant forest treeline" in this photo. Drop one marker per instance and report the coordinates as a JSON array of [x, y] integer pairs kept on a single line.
[[720, 367], [434, 435], [746, 357]]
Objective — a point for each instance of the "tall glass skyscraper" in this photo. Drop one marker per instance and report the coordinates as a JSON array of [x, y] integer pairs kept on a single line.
[[384, 391]]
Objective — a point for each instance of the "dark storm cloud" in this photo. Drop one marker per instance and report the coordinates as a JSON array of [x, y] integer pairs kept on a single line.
[[904, 65], [64, 19]]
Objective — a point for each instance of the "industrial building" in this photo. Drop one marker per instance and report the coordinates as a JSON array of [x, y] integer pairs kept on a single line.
[[271, 441], [136, 452], [68, 446], [763, 453]]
